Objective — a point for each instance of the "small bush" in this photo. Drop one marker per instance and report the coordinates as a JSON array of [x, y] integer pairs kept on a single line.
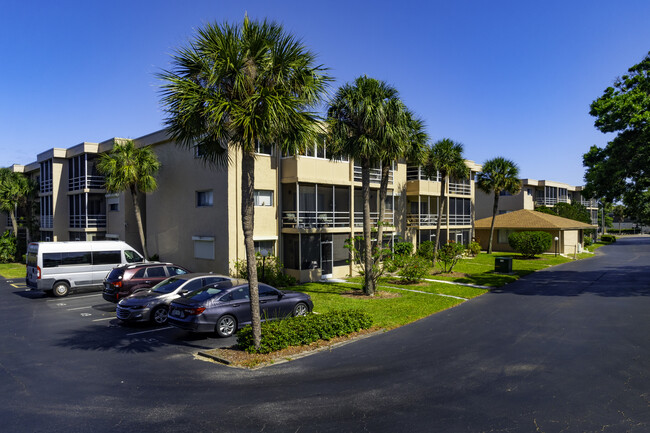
[[529, 244], [425, 249], [608, 238], [7, 247], [297, 331], [414, 269], [449, 254], [588, 241], [474, 248], [270, 270], [402, 248]]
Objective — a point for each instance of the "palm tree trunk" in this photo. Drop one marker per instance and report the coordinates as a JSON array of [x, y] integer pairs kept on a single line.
[[441, 206], [383, 192], [495, 209], [14, 222], [247, 222], [138, 218], [369, 286]]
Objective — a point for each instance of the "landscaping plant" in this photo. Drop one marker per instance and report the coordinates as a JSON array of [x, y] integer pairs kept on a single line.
[[7, 247], [270, 270], [531, 243], [414, 269], [449, 254], [474, 249]]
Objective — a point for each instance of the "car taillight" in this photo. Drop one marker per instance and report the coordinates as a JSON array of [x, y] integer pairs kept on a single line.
[[117, 284], [38, 272], [194, 311]]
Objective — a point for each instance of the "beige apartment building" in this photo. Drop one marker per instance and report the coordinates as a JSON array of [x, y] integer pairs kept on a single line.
[[535, 193], [306, 206]]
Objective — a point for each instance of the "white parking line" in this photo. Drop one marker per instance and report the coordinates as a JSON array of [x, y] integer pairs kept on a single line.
[[152, 330], [105, 318], [72, 298], [79, 308]]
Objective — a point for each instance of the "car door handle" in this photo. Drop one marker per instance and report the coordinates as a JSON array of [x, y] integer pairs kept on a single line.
[[148, 282]]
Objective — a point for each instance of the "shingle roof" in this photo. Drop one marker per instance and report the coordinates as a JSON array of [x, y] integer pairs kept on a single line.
[[530, 219]]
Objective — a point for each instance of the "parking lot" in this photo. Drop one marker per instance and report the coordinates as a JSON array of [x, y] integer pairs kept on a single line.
[[90, 323]]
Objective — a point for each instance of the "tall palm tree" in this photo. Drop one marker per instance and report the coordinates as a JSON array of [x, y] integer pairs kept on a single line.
[[368, 123], [499, 174], [130, 168], [14, 189], [235, 86], [444, 158]]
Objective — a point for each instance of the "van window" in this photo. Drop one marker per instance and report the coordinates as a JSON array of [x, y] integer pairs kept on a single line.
[[76, 258], [132, 257], [51, 260], [106, 257]]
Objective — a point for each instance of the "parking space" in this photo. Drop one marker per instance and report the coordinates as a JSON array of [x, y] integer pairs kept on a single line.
[[88, 318]]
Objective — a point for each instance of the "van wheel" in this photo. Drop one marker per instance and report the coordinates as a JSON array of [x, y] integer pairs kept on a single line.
[[60, 289], [159, 315]]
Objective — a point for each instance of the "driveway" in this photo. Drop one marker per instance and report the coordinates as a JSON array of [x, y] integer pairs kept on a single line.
[[562, 350]]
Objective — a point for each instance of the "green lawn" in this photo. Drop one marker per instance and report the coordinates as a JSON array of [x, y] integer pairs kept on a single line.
[[12, 270], [387, 313]]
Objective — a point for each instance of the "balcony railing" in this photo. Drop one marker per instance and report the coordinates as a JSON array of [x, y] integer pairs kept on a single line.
[[460, 188], [375, 175], [87, 222], [47, 222], [459, 220], [45, 185], [86, 182], [419, 220], [315, 219], [548, 201], [374, 218], [589, 203], [414, 172]]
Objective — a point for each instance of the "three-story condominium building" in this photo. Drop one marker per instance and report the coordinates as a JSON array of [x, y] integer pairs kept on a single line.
[[535, 193], [306, 206]]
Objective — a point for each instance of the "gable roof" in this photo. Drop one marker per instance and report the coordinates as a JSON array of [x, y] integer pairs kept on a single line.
[[530, 219]]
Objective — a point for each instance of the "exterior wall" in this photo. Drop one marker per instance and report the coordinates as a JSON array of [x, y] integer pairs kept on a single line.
[[173, 218], [569, 241]]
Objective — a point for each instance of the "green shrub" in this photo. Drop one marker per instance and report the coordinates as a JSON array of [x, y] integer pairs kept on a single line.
[[608, 238], [270, 270], [588, 241], [414, 269], [7, 247], [402, 248], [529, 244], [425, 249], [449, 254], [301, 330], [474, 248]]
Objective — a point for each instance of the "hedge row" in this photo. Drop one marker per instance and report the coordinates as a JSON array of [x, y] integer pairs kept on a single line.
[[608, 238], [301, 330]]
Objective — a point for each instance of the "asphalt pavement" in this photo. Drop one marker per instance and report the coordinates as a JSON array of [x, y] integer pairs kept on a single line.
[[562, 350]]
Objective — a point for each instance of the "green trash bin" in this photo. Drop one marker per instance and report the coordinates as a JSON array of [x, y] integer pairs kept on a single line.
[[503, 265]]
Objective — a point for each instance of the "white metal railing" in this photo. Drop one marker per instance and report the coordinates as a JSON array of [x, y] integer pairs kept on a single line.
[[545, 201], [589, 203], [86, 182], [89, 221], [414, 172], [375, 174], [46, 185], [315, 219], [47, 221], [459, 220], [374, 218], [460, 188], [423, 219]]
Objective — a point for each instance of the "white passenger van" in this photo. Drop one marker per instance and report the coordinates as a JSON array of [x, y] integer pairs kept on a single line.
[[58, 267]]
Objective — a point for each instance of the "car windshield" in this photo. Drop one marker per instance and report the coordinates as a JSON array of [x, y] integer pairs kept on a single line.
[[204, 293], [168, 285]]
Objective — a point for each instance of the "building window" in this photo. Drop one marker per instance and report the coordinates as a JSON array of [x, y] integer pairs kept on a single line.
[[264, 149], [502, 236], [203, 198], [263, 198], [114, 207], [203, 247], [269, 246]]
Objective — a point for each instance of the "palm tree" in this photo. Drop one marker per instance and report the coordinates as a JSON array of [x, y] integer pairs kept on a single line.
[[368, 123], [235, 86], [14, 189], [444, 158], [127, 167], [619, 214], [499, 174]]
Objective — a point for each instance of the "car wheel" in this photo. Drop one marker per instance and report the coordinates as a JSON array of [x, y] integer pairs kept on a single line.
[[60, 289], [226, 326], [301, 309], [159, 315]]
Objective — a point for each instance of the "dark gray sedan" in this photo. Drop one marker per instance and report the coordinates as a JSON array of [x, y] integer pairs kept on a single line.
[[225, 307], [153, 304]]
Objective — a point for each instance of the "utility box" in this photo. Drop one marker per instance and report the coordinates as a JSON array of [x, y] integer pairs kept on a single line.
[[503, 265]]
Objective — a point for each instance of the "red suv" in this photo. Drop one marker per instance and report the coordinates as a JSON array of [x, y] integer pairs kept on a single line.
[[123, 280]]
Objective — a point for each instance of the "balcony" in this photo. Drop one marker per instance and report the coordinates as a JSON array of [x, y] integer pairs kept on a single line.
[[45, 186], [86, 182], [315, 219], [87, 221], [589, 203], [550, 201], [420, 220], [460, 188], [375, 175], [47, 221], [374, 218]]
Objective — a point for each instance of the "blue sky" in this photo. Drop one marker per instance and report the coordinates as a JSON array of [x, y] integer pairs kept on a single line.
[[505, 78]]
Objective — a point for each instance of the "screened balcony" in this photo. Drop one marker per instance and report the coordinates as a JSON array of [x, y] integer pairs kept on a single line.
[[315, 206], [375, 174], [374, 208]]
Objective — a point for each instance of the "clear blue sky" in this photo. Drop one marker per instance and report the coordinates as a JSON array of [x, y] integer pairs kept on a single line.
[[505, 78]]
